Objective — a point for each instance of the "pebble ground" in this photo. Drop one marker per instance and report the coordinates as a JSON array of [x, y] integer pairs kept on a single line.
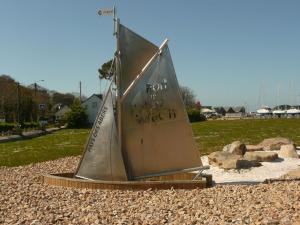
[[24, 199]]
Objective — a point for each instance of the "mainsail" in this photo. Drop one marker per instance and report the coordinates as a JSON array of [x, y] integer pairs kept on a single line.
[[135, 52], [156, 134], [102, 159]]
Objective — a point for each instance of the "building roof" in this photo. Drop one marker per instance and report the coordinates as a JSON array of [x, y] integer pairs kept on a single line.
[[63, 110], [230, 109], [100, 96]]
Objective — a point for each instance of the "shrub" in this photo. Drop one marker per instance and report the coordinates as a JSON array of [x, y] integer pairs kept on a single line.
[[26, 125], [6, 126], [77, 117], [195, 115]]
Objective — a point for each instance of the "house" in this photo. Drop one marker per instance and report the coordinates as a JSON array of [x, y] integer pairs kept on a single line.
[[231, 112], [220, 110], [59, 115], [235, 112], [91, 106]]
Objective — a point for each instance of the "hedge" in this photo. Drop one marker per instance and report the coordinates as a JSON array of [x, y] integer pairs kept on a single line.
[[10, 126], [6, 126]]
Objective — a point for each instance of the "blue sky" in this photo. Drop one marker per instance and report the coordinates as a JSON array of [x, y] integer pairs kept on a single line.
[[226, 51]]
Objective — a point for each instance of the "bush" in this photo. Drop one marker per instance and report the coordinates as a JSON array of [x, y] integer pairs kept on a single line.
[[12, 126], [6, 126], [195, 115], [77, 117], [26, 125]]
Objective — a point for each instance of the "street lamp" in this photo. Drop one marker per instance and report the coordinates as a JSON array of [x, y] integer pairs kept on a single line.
[[35, 86], [35, 98]]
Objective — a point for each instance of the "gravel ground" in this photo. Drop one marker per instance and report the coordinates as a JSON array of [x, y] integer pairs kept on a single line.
[[25, 200]]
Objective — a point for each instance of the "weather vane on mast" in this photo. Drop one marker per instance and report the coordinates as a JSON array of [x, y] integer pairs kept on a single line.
[[109, 12]]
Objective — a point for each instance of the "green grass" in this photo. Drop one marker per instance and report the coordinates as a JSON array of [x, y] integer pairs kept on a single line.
[[210, 136], [66, 142], [213, 135]]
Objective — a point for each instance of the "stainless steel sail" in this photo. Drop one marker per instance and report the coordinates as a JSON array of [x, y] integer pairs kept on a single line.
[[102, 159], [135, 52], [156, 134], [152, 135]]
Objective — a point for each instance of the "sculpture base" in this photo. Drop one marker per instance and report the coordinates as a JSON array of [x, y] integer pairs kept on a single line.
[[176, 181]]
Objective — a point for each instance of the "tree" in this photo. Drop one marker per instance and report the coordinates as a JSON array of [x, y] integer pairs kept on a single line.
[[65, 99], [188, 97], [77, 117], [104, 71]]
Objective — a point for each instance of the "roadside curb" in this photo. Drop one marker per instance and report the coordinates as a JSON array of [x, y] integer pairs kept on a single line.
[[29, 135]]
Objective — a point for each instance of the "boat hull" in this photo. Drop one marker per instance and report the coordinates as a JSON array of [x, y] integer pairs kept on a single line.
[[175, 181]]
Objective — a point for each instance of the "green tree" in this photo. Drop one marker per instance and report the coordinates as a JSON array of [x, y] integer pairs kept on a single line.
[[65, 99], [104, 71], [77, 117], [195, 115], [188, 97]]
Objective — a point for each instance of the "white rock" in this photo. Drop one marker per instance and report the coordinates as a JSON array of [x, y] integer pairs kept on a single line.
[[235, 147], [288, 151]]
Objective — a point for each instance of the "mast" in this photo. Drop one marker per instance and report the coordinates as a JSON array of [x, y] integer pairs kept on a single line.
[[118, 72]]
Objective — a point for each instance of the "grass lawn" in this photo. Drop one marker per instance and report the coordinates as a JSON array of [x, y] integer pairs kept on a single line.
[[210, 136], [66, 142], [213, 135]]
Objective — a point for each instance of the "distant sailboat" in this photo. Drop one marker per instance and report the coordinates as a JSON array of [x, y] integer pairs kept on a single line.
[[279, 112], [293, 111], [264, 110]]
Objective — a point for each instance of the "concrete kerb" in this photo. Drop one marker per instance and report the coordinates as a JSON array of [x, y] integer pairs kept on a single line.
[[29, 135]]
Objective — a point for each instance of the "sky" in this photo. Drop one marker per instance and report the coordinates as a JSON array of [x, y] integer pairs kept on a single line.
[[229, 52]]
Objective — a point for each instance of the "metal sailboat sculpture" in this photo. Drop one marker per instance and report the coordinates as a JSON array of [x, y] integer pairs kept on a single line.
[[142, 129]]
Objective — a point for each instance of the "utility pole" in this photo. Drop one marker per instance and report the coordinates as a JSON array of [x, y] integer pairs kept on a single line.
[[35, 89], [100, 83], [80, 91], [18, 103], [35, 98]]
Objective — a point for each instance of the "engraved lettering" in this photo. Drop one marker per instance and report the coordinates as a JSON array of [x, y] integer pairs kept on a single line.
[[95, 133]]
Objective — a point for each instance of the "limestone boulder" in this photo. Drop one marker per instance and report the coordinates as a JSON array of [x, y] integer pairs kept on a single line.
[[254, 148], [228, 161], [288, 151], [274, 143], [217, 158], [236, 147], [235, 163], [261, 156]]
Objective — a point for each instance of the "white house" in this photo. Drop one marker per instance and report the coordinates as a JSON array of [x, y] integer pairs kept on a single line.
[[91, 106], [61, 112]]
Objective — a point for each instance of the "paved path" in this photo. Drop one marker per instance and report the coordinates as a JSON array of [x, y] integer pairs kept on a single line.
[[28, 135]]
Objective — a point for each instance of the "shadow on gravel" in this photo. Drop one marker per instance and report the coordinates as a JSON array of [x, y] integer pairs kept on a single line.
[[278, 160], [238, 183]]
